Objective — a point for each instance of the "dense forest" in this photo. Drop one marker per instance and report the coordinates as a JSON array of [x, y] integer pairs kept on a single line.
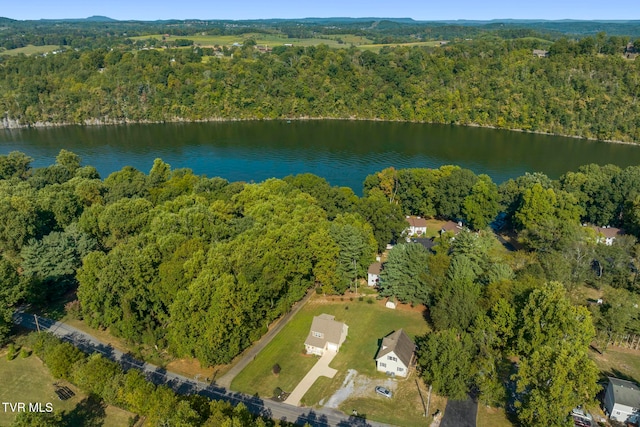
[[584, 88], [199, 266]]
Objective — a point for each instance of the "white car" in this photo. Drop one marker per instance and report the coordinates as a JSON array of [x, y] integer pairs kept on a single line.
[[383, 392]]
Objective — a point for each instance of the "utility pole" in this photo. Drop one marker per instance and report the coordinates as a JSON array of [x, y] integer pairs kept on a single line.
[[37, 325]]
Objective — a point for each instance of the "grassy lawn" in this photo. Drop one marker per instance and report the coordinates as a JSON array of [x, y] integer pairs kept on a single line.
[[403, 409], [618, 362], [492, 417], [368, 323], [31, 50], [28, 380]]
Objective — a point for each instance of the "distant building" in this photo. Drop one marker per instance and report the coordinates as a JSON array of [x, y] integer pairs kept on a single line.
[[454, 227], [396, 354], [417, 226], [607, 235], [622, 401], [540, 53], [373, 274], [326, 334]]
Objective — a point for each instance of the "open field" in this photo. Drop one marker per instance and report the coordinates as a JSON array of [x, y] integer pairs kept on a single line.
[[377, 47], [31, 50], [260, 38], [28, 380], [368, 323]]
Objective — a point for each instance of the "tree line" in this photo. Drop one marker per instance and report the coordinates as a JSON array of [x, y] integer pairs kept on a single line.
[[106, 381], [584, 88]]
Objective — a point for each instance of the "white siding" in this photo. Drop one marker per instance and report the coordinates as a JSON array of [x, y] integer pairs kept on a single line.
[[392, 364], [372, 279]]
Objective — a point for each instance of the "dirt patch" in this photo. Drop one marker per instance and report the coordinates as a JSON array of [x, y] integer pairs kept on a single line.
[[191, 368], [356, 385]]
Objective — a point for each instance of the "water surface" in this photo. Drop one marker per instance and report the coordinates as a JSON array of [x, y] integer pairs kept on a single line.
[[343, 152]]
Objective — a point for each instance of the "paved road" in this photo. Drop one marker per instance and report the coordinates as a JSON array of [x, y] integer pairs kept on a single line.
[[245, 359], [183, 385], [320, 369]]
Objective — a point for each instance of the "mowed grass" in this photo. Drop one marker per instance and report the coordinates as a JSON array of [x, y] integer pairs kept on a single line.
[[31, 50], [492, 417], [28, 380], [403, 409], [618, 362], [368, 324]]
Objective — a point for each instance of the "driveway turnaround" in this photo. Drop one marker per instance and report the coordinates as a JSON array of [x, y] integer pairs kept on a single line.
[[320, 369]]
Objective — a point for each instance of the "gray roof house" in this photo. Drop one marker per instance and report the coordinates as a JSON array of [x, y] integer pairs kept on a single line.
[[373, 273], [326, 334], [396, 354], [622, 401]]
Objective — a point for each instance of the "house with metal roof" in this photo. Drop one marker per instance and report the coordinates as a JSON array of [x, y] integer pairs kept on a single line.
[[326, 334], [396, 354], [622, 401]]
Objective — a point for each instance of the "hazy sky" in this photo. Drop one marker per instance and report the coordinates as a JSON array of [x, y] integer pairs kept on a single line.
[[254, 9]]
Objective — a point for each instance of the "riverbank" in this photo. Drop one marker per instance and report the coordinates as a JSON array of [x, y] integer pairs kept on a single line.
[[8, 123]]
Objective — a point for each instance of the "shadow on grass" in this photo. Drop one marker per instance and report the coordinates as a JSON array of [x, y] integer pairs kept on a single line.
[[90, 412], [619, 374]]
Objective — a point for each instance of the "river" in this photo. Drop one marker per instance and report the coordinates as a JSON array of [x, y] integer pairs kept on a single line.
[[343, 152]]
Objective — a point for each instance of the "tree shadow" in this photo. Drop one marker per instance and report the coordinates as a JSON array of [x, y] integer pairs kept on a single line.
[[89, 412]]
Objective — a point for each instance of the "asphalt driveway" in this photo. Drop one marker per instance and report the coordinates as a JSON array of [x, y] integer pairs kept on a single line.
[[460, 413]]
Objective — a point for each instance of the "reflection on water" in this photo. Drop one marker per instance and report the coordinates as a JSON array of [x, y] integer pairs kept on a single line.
[[343, 152]]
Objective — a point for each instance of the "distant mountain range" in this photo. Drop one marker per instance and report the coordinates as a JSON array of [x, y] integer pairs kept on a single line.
[[338, 19]]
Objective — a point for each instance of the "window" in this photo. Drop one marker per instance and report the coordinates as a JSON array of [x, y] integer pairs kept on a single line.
[[400, 369], [394, 359], [383, 365], [317, 334]]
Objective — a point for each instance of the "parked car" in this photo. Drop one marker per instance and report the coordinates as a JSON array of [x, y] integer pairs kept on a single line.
[[383, 392]]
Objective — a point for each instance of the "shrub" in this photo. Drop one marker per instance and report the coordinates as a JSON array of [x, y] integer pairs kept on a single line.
[[369, 301], [11, 352], [72, 308], [24, 353], [277, 392], [275, 369], [360, 299]]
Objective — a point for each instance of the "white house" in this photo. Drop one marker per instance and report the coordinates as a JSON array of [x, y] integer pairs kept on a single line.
[[622, 400], [326, 334], [396, 354], [373, 274], [607, 234], [417, 226]]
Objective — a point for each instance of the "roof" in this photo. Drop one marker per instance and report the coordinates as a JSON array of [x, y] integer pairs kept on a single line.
[[375, 268], [625, 392], [452, 226], [400, 344], [328, 327], [416, 221], [608, 232]]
